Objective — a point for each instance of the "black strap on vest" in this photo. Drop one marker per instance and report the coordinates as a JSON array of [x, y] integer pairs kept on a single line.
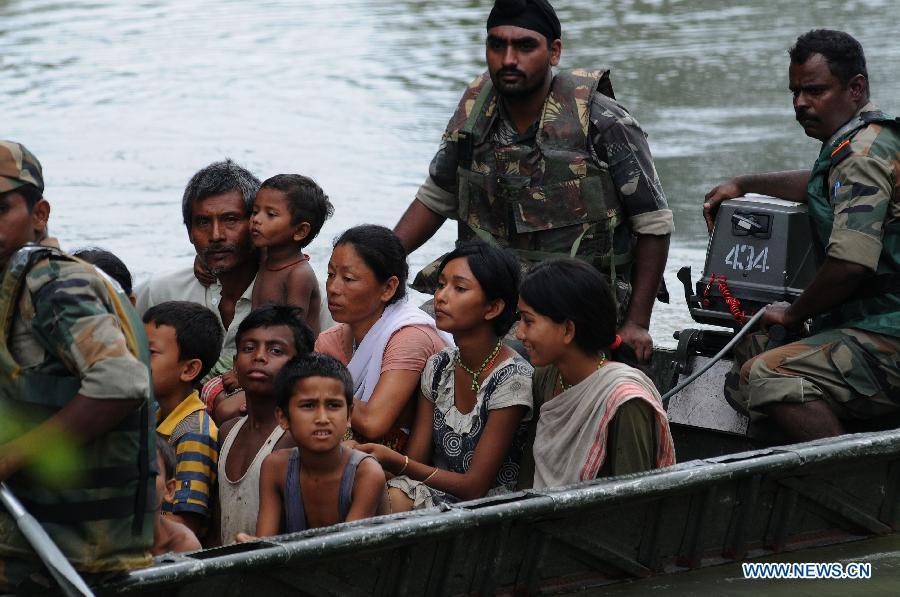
[[140, 503], [75, 512]]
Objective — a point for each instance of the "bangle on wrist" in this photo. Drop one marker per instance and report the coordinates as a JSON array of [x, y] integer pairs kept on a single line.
[[428, 478], [405, 464]]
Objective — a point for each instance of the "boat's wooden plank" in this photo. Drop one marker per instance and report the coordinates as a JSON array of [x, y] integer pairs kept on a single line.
[[780, 518], [890, 505], [648, 551], [833, 499], [444, 555], [742, 516], [597, 554], [531, 564], [692, 543]]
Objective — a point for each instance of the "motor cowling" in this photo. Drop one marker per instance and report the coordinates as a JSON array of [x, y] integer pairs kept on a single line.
[[760, 251]]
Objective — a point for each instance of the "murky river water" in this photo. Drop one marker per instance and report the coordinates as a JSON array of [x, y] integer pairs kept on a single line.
[[123, 101]]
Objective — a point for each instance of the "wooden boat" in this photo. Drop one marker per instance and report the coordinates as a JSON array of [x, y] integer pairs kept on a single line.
[[733, 496]]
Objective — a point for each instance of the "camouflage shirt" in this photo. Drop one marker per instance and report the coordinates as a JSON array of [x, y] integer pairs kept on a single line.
[[616, 139], [65, 337], [865, 191]]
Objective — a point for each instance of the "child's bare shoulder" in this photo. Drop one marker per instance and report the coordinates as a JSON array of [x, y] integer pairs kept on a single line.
[[302, 273], [369, 470], [277, 461], [226, 428]]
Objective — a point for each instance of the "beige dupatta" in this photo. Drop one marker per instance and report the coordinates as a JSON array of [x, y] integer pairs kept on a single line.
[[570, 443]]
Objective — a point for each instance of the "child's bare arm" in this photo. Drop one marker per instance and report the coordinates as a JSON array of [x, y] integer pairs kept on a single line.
[[367, 490], [300, 284], [271, 488], [214, 536]]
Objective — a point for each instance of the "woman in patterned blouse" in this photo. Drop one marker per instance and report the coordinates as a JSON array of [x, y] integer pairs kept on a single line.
[[469, 432]]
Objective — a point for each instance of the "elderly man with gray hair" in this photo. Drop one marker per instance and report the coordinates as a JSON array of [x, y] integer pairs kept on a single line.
[[216, 208]]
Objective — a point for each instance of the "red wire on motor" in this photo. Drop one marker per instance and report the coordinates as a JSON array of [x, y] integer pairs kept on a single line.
[[734, 304]]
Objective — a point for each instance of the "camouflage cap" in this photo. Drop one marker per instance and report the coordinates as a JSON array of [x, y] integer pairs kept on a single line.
[[18, 166]]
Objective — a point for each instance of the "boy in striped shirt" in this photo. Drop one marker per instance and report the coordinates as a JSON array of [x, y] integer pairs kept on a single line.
[[185, 339]]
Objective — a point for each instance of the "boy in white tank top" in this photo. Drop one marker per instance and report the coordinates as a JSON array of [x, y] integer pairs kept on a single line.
[[268, 338]]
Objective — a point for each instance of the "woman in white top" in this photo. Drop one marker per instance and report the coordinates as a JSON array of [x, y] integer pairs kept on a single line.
[[469, 433]]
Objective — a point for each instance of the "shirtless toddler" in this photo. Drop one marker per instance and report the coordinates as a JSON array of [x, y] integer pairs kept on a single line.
[[288, 213]]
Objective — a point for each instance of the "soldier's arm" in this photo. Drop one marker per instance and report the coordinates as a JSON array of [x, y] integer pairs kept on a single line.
[[72, 323], [417, 225], [436, 200], [80, 421], [618, 140], [650, 254], [861, 188], [790, 185]]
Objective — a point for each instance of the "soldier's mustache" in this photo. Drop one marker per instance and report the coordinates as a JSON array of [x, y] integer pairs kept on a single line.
[[510, 71], [803, 115]]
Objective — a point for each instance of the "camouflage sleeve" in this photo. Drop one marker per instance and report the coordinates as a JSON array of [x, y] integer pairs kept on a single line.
[[618, 140], [437, 199], [76, 326], [861, 188], [439, 192]]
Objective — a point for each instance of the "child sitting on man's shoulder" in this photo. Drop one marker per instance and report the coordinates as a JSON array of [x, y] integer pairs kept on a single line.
[[267, 339], [288, 213], [185, 339], [168, 534], [320, 482]]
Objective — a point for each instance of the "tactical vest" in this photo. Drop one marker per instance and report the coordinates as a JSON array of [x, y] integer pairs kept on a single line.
[[876, 306], [102, 519], [550, 199]]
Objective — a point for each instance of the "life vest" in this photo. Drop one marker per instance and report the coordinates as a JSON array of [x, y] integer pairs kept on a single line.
[[102, 517], [549, 199], [876, 306]]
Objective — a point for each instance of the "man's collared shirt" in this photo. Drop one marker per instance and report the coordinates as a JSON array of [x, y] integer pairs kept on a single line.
[[182, 285]]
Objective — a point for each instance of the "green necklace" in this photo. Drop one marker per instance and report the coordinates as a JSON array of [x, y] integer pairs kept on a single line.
[[476, 386], [565, 386]]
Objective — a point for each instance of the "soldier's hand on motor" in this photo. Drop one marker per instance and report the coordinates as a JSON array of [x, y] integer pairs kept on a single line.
[[717, 195], [638, 337], [202, 274], [779, 314]]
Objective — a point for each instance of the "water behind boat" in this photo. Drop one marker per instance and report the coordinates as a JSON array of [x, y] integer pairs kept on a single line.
[[123, 101]]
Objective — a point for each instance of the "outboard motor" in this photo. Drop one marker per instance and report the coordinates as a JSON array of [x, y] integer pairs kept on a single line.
[[760, 252]]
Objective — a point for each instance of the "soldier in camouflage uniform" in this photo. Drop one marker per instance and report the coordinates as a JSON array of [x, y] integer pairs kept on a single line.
[[74, 391], [549, 166], [849, 368]]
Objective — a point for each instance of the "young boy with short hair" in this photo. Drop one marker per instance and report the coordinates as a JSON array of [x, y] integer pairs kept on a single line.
[[288, 213], [185, 339], [320, 482], [267, 339], [168, 534]]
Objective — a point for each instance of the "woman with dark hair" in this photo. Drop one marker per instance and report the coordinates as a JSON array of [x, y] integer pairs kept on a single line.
[[382, 340], [469, 433], [599, 416]]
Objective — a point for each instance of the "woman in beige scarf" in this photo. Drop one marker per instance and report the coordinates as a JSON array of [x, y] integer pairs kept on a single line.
[[599, 416]]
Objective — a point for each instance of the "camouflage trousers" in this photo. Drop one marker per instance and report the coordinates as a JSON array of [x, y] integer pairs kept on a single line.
[[856, 372]]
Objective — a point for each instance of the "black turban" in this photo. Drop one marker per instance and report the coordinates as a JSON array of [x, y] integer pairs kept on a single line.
[[535, 15]]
